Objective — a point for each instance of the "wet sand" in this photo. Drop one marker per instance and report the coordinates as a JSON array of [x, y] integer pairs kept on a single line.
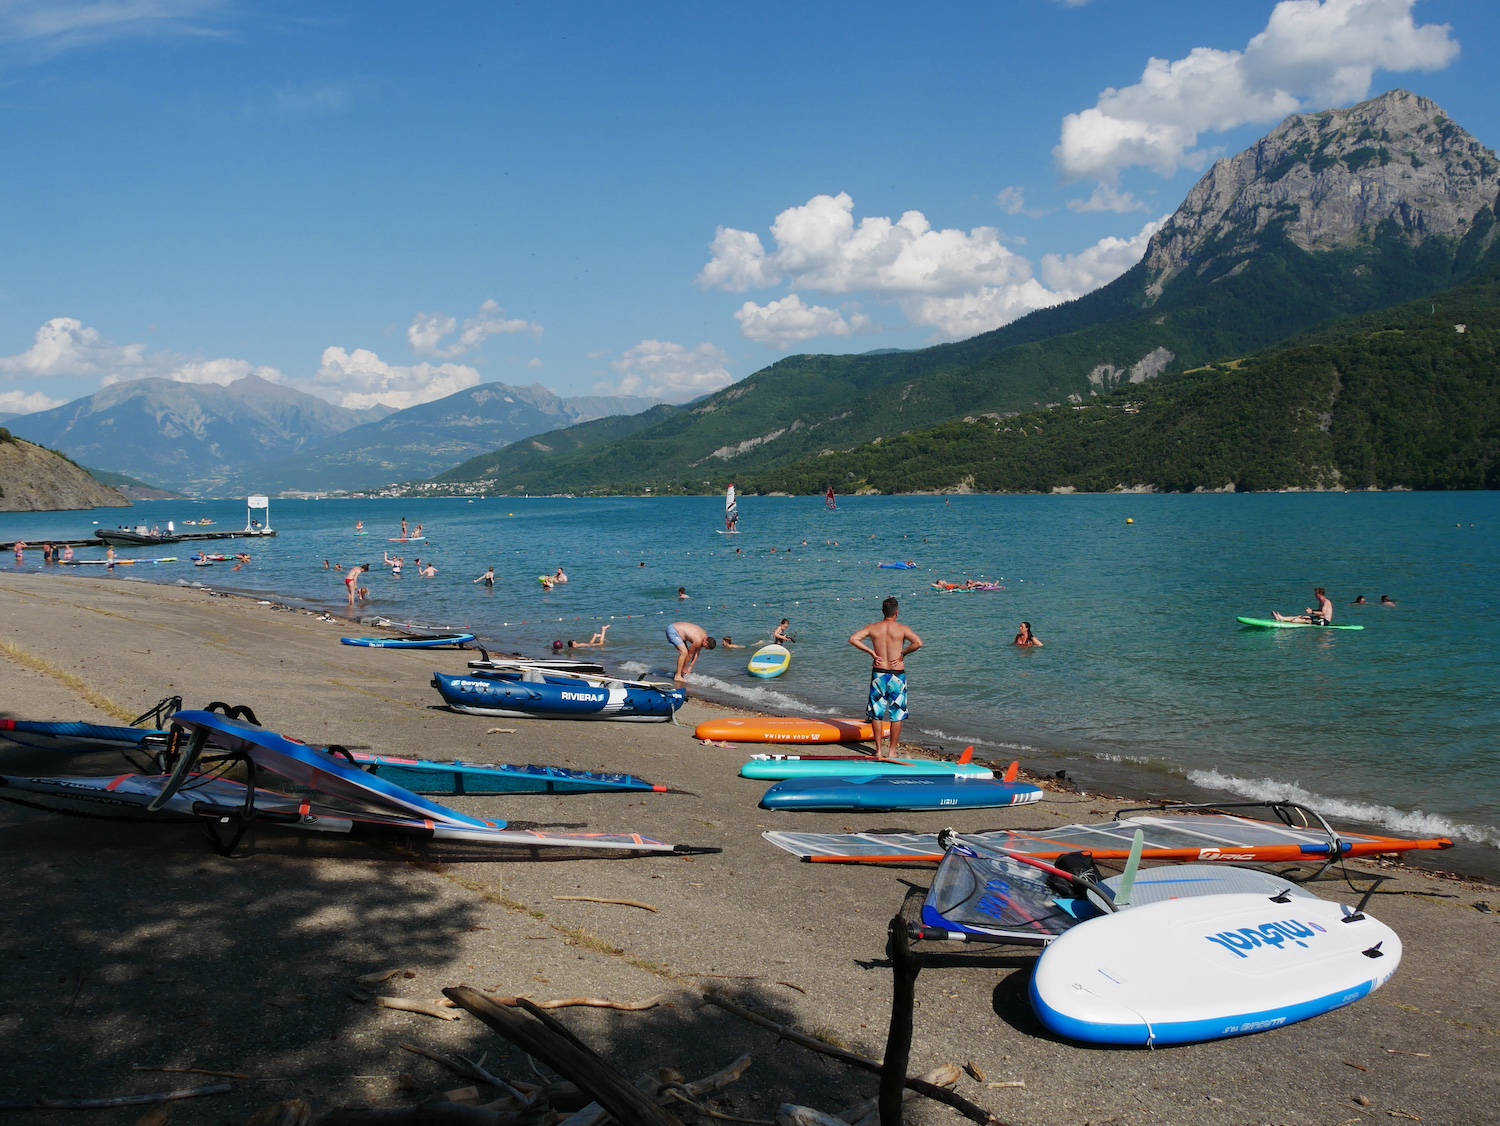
[[129, 944]]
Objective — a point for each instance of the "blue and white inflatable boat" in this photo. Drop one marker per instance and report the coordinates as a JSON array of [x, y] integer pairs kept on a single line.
[[537, 694]]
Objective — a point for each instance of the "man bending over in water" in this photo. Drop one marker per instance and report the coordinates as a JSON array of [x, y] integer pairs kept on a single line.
[[888, 643], [1322, 616], [689, 640]]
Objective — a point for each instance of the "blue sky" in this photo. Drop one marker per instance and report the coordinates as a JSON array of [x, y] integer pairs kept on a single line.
[[388, 202]]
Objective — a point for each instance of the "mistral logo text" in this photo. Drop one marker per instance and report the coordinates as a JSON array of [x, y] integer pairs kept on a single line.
[[1273, 935]]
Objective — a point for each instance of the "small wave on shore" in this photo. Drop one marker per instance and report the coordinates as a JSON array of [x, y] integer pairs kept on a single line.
[[1412, 822], [975, 741], [757, 696]]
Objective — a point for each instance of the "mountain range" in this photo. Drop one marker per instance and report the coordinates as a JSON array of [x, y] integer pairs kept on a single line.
[[1330, 216], [252, 435]]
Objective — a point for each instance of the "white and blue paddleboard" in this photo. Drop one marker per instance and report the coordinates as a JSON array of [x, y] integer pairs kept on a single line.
[[1189, 970], [770, 661], [776, 768], [436, 641], [888, 794]]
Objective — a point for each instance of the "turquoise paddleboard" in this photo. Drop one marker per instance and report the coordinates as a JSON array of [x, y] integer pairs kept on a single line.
[[774, 768], [1272, 623], [772, 660]]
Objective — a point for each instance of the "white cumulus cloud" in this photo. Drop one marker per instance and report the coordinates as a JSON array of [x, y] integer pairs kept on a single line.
[[361, 379], [65, 348], [958, 283], [659, 369], [1312, 53], [788, 321], [1107, 197], [1073, 275], [428, 331], [26, 402]]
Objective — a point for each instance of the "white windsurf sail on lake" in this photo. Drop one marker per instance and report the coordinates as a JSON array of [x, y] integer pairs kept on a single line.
[[731, 511]]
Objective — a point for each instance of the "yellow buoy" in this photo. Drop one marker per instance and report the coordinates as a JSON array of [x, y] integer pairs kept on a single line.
[[1128, 520]]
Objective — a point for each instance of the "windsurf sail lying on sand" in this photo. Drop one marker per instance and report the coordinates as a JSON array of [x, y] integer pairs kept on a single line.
[[211, 799], [1185, 836]]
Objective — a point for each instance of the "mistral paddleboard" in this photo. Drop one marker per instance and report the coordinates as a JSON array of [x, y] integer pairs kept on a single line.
[[784, 729], [770, 661], [1272, 623], [1188, 970], [887, 793]]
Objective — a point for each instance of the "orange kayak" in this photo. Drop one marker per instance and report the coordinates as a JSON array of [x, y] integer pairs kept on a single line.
[[785, 729]]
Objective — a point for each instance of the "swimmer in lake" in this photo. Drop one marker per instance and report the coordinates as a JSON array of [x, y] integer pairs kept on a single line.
[[1026, 639], [488, 579], [783, 635], [1387, 600], [561, 576], [682, 594], [1321, 616], [595, 642], [728, 643], [1360, 601]]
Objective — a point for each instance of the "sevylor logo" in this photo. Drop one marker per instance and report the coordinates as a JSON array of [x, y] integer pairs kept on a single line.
[[1274, 935]]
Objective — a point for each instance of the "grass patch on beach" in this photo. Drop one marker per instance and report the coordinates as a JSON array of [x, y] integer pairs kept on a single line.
[[76, 684]]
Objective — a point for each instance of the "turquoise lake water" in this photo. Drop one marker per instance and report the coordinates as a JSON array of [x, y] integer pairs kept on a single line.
[[1144, 668]]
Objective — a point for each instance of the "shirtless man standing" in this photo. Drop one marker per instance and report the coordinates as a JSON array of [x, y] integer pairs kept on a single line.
[[689, 640], [888, 643], [1322, 616]]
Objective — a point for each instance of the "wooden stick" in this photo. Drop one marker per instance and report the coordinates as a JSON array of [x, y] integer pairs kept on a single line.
[[904, 970], [471, 1070], [712, 1113], [597, 899], [921, 1086], [566, 1055], [192, 1071], [119, 1100], [426, 1008], [583, 1002]]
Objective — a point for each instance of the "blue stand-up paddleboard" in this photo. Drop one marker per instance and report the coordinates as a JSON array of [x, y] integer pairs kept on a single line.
[[1188, 970], [423, 777], [436, 641], [887, 793], [557, 697], [770, 661], [775, 768]]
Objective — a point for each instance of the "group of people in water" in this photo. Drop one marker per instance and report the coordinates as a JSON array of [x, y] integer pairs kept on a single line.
[[1322, 613]]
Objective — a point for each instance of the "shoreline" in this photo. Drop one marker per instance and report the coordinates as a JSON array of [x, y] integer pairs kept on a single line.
[[1130, 782], [163, 947]]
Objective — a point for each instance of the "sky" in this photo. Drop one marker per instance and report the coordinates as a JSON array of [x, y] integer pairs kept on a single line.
[[384, 203]]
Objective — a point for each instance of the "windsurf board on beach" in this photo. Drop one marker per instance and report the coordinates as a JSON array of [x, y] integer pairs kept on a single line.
[[439, 641], [1185, 837], [775, 768], [421, 776], [1184, 971]]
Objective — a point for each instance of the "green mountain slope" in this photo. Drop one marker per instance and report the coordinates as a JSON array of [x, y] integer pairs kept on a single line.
[[1331, 215], [1398, 399]]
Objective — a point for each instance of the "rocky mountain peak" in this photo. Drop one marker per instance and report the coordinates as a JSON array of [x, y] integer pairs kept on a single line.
[[1328, 180]]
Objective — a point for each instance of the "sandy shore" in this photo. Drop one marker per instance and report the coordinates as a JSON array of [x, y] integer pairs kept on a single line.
[[128, 944]]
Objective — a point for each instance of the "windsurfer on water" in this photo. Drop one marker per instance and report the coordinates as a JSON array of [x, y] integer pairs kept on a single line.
[[731, 512]]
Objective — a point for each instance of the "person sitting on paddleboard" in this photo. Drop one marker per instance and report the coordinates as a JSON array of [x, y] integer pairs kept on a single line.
[[1026, 639], [1322, 616], [783, 635]]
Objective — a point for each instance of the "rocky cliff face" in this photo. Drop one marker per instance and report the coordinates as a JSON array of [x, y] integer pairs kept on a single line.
[[1329, 181], [38, 480]]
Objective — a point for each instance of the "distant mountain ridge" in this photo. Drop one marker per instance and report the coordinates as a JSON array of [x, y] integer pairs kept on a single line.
[[428, 438], [188, 437], [1331, 215]]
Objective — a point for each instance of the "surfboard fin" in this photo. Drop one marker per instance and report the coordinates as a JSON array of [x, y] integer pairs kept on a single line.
[[967, 756], [1013, 771]]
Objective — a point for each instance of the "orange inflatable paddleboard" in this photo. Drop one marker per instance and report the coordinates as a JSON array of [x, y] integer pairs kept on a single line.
[[785, 729]]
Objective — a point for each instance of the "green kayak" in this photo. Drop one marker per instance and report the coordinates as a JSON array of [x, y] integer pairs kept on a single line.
[[1272, 623]]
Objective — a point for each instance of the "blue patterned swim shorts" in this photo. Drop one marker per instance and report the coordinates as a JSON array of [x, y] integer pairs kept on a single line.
[[887, 696]]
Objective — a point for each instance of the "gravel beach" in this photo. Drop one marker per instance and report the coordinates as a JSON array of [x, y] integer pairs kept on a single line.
[[129, 946]]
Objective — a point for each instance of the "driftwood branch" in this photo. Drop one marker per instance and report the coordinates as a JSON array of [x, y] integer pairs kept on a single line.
[[424, 1114], [426, 1008], [118, 1100], [469, 1069], [544, 1039], [920, 1086], [584, 1002], [192, 1071], [597, 899]]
